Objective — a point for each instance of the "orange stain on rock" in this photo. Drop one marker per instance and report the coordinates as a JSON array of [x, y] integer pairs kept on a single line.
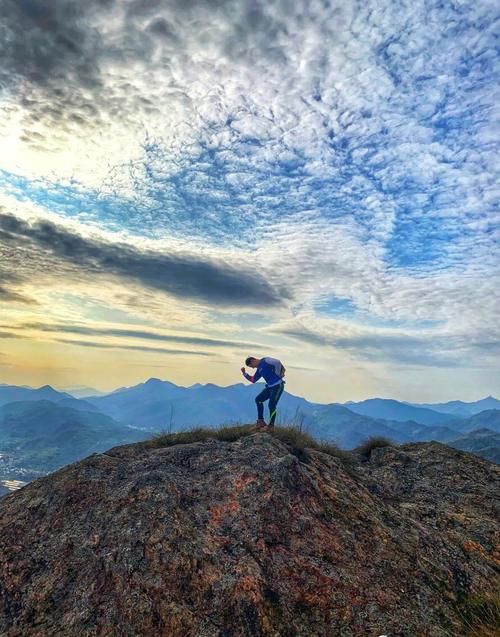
[[242, 481], [248, 587], [474, 547], [220, 512]]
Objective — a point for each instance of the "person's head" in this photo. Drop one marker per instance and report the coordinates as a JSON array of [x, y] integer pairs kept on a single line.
[[251, 361]]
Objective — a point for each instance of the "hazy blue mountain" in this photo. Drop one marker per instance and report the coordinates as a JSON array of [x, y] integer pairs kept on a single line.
[[461, 408], [144, 405], [162, 405], [483, 442], [13, 393], [47, 428], [153, 404], [77, 403], [82, 391], [23, 386], [489, 418], [44, 435], [440, 433], [394, 410], [347, 429]]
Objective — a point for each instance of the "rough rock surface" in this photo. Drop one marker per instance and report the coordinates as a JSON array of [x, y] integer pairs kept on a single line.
[[237, 539]]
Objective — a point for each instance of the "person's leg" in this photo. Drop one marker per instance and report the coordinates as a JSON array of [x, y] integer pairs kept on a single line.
[[259, 399], [277, 390]]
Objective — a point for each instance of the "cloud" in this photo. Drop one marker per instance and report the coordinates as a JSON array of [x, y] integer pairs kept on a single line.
[[403, 350], [304, 369], [338, 150], [9, 335], [182, 275], [9, 284], [307, 336], [51, 55], [418, 348], [140, 348], [44, 41], [140, 334], [8, 295]]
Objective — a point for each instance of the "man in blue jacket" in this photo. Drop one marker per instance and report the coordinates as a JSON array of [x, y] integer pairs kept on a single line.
[[272, 370]]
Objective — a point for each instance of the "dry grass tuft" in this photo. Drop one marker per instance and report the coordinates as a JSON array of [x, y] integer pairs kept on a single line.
[[293, 437], [481, 615]]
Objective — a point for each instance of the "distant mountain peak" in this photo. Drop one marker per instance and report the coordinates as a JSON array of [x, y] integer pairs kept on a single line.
[[154, 381]]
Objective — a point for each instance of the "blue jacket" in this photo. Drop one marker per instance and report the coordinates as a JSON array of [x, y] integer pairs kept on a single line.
[[270, 369]]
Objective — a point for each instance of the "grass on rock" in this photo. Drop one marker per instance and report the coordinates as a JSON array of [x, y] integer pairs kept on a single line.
[[296, 440]]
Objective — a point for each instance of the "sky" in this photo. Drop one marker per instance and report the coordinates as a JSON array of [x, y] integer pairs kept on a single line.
[[186, 183]]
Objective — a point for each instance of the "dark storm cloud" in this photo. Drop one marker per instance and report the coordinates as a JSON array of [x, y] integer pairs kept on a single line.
[[184, 276], [141, 334]]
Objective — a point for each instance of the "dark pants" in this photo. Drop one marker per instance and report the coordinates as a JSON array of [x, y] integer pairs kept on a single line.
[[273, 394]]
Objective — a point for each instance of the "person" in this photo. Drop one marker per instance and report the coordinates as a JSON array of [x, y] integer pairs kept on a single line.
[[273, 371]]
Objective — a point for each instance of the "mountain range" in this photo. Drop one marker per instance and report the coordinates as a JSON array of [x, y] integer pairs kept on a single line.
[[42, 428], [45, 435]]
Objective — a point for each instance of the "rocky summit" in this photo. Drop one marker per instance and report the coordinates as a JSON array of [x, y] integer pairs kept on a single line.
[[253, 537]]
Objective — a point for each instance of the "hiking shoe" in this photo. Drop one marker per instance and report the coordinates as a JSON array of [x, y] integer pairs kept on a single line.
[[260, 424]]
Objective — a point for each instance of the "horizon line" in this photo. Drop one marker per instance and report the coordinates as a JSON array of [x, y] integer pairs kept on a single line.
[[154, 378]]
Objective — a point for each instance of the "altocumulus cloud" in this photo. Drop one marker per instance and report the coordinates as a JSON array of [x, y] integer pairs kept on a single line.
[[350, 145]]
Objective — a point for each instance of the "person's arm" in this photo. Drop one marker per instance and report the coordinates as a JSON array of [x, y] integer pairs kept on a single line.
[[254, 378]]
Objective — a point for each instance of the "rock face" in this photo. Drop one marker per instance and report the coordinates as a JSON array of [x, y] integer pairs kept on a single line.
[[245, 538]]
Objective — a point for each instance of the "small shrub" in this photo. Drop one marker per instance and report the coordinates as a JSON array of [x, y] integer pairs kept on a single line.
[[366, 447]]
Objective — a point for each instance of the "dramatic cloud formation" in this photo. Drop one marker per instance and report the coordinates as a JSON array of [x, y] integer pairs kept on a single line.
[[318, 178], [181, 275], [154, 336]]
